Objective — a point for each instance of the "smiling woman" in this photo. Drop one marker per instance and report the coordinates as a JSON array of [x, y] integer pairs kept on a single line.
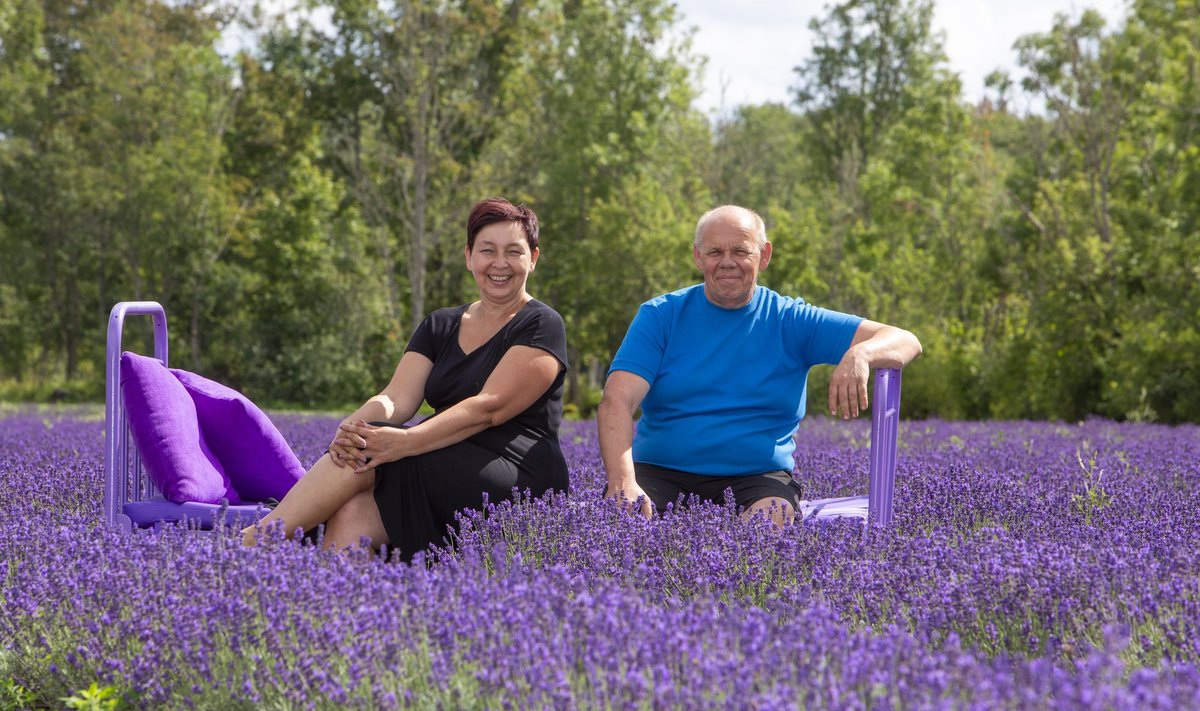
[[492, 370]]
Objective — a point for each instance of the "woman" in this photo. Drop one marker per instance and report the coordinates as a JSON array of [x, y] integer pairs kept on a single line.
[[493, 371]]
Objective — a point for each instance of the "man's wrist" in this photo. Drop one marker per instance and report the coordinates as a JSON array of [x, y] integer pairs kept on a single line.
[[622, 483]]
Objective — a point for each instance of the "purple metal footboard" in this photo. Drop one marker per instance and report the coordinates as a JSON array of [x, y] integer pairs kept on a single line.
[[875, 507], [130, 498], [885, 421]]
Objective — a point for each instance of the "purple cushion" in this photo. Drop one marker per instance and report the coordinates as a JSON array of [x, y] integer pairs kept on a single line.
[[163, 421], [256, 457]]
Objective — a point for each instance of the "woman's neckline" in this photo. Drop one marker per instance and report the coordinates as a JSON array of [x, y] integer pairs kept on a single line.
[[466, 310]]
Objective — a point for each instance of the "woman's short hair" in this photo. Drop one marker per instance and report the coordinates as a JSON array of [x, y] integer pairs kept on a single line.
[[496, 209]]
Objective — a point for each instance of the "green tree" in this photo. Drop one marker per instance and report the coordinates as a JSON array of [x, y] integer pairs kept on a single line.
[[417, 91], [760, 159], [300, 317], [905, 190], [1154, 364], [117, 189], [612, 155], [866, 58], [1071, 246], [24, 79]]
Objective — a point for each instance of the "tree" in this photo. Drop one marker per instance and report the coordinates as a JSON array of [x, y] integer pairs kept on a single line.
[[612, 155], [298, 315], [760, 158], [1071, 246], [867, 56], [1154, 363], [118, 190], [23, 82], [417, 91], [905, 196]]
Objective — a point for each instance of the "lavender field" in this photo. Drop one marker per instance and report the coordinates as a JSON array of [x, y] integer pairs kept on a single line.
[[1030, 565]]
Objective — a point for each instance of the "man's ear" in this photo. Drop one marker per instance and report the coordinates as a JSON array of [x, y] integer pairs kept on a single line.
[[766, 257]]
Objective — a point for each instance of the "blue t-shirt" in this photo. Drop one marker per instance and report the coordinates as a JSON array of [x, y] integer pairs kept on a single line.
[[727, 386]]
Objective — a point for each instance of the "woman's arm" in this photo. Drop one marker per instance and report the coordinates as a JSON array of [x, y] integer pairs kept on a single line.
[[403, 396], [396, 403], [522, 376]]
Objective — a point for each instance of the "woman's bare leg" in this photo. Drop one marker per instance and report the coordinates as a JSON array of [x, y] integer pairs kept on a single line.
[[324, 489], [357, 519]]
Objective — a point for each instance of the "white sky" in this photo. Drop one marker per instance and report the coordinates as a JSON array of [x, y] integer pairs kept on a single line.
[[753, 45]]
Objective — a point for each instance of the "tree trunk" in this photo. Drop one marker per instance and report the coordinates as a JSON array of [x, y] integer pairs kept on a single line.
[[417, 252], [194, 331]]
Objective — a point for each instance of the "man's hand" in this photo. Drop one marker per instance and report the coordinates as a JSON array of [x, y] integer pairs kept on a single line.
[[848, 386], [629, 495], [875, 345], [623, 393]]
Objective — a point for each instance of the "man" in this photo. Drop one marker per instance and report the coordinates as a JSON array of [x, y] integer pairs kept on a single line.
[[719, 370]]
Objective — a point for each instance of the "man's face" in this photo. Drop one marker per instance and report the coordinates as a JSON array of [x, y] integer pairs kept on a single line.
[[731, 258]]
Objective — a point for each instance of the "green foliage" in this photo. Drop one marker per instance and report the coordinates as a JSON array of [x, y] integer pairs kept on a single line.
[[299, 207], [612, 140], [94, 698], [13, 696], [1094, 496]]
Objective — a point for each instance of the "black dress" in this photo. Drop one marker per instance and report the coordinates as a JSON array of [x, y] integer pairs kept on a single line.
[[418, 496]]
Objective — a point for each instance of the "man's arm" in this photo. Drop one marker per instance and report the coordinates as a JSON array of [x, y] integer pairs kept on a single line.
[[623, 394], [875, 345]]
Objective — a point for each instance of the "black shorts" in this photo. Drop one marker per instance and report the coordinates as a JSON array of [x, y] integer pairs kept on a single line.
[[668, 486]]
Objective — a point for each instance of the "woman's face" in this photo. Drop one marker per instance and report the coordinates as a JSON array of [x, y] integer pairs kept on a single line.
[[501, 261]]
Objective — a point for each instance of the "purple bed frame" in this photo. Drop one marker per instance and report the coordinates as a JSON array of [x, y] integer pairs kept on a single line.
[[130, 499]]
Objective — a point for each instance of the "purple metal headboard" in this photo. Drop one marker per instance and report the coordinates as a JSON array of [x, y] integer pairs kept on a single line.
[[120, 456]]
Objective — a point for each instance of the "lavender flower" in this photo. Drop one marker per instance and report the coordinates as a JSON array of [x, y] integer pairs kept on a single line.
[[994, 588]]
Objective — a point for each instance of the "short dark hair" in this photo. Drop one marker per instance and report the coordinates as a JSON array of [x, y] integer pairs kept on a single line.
[[496, 209]]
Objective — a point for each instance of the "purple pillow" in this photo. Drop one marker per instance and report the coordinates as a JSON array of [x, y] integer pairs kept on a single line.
[[165, 428], [254, 454]]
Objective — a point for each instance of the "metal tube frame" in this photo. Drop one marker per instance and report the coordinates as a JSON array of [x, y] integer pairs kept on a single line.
[[119, 455], [885, 423]]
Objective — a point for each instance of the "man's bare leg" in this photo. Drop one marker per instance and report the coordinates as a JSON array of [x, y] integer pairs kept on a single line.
[[777, 509]]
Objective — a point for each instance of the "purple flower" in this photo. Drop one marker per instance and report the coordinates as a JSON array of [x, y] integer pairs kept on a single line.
[[994, 588]]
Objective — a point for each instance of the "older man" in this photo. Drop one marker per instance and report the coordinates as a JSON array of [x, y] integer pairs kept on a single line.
[[719, 370]]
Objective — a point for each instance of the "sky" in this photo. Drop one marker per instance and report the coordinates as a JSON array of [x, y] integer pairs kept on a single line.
[[753, 45]]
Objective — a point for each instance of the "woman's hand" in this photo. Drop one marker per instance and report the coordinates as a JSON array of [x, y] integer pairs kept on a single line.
[[369, 445], [341, 451]]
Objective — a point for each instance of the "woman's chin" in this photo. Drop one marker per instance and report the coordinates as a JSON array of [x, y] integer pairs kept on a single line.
[[500, 292]]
